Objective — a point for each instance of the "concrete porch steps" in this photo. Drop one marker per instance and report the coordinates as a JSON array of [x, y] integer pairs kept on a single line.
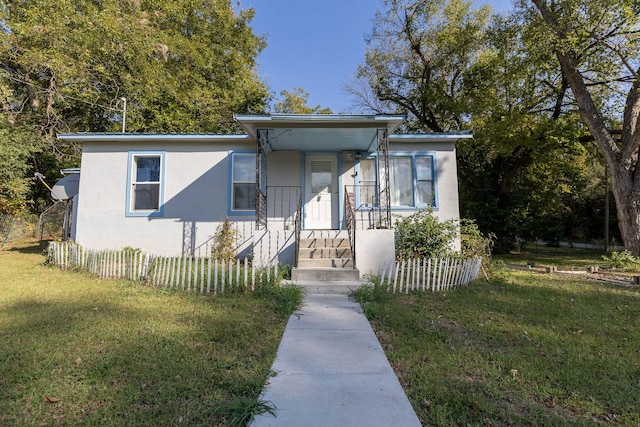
[[322, 274], [325, 263], [330, 287], [325, 255]]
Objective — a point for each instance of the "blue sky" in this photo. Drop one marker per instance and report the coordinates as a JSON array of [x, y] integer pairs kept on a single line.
[[316, 45]]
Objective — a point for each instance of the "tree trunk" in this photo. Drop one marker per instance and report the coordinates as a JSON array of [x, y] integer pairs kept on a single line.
[[627, 199], [622, 165], [622, 161]]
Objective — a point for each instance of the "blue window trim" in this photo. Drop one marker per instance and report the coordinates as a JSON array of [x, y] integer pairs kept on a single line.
[[230, 210], [163, 166], [413, 155]]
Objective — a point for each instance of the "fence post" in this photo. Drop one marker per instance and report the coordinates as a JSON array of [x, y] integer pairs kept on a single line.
[[237, 272], [6, 237], [145, 268], [215, 277], [395, 275], [246, 273], [209, 261], [189, 272]]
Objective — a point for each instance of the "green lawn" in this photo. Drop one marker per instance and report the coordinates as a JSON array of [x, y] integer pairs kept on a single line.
[[81, 351], [562, 257], [523, 349]]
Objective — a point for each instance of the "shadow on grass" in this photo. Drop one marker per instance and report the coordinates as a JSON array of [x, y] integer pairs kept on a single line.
[[29, 246], [131, 358], [520, 350]]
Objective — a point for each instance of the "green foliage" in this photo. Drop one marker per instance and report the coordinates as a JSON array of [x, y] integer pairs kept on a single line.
[[472, 242], [224, 242], [17, 146], [621, 260], [128, 250], [418, 54], [183, 66], [296, 103], [285, 299], [529, 172], [597, 46], [241, 412], [370, 295], [423, 235], [196, 59]]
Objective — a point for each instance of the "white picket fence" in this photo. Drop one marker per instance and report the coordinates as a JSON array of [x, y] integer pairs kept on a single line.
[[202, 274], [429, 274], [207, 275]]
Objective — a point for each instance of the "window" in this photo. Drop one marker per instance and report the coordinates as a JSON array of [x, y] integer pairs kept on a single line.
[[368, 182], [411, 179], [146, 170], [401, 181], [321, 176], [243, 182], [424, 180]]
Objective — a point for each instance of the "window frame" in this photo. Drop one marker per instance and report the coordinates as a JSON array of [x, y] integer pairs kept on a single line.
[[414, 178], [131, 181], [230, 204]]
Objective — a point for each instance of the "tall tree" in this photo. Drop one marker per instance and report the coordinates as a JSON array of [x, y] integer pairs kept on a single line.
[[451, 67], [417, 56], [523, 128], [597, 44], [182, 65]]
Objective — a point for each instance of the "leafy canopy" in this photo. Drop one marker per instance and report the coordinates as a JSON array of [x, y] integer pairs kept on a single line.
[[182, 65]]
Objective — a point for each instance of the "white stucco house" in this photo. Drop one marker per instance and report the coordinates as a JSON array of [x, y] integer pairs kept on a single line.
[[316, 191]]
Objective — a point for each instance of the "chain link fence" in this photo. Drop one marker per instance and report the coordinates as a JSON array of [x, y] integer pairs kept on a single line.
[[18, 227], [48, 225], [51, 222]]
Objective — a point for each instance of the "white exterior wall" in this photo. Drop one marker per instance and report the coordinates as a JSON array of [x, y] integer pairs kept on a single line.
[[446, 176], [448, 202], [374, 250], [195, 198]]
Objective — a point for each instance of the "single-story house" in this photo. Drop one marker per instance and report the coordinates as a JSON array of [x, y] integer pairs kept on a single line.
[[319, 192]]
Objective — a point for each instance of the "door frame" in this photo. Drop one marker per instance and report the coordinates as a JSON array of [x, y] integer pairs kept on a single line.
[[336, 208]]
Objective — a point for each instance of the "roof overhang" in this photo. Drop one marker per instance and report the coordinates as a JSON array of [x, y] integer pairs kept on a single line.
[[148, 137], [292, 132], [320, 132], [451, 137]]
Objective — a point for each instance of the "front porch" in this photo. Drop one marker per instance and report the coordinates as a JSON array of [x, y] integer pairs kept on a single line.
[[332, 206], [360, 246]]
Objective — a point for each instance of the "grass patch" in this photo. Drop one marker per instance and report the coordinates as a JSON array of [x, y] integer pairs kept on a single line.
[[82, 351], [523, 349], [562, 257]]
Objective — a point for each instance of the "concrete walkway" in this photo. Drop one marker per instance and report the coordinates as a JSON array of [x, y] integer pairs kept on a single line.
[[331, 371]]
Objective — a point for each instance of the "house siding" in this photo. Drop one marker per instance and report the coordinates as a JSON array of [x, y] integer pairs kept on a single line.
[[446, 175], [196, 201], [196, 196]]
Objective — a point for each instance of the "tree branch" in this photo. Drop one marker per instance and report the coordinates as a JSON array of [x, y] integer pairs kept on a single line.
[[588, 110], [631, 124]]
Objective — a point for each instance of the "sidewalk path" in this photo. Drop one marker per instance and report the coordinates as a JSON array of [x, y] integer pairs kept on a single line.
[[331, 371]]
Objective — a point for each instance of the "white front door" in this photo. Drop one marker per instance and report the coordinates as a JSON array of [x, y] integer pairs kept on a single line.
[[321, 192]]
